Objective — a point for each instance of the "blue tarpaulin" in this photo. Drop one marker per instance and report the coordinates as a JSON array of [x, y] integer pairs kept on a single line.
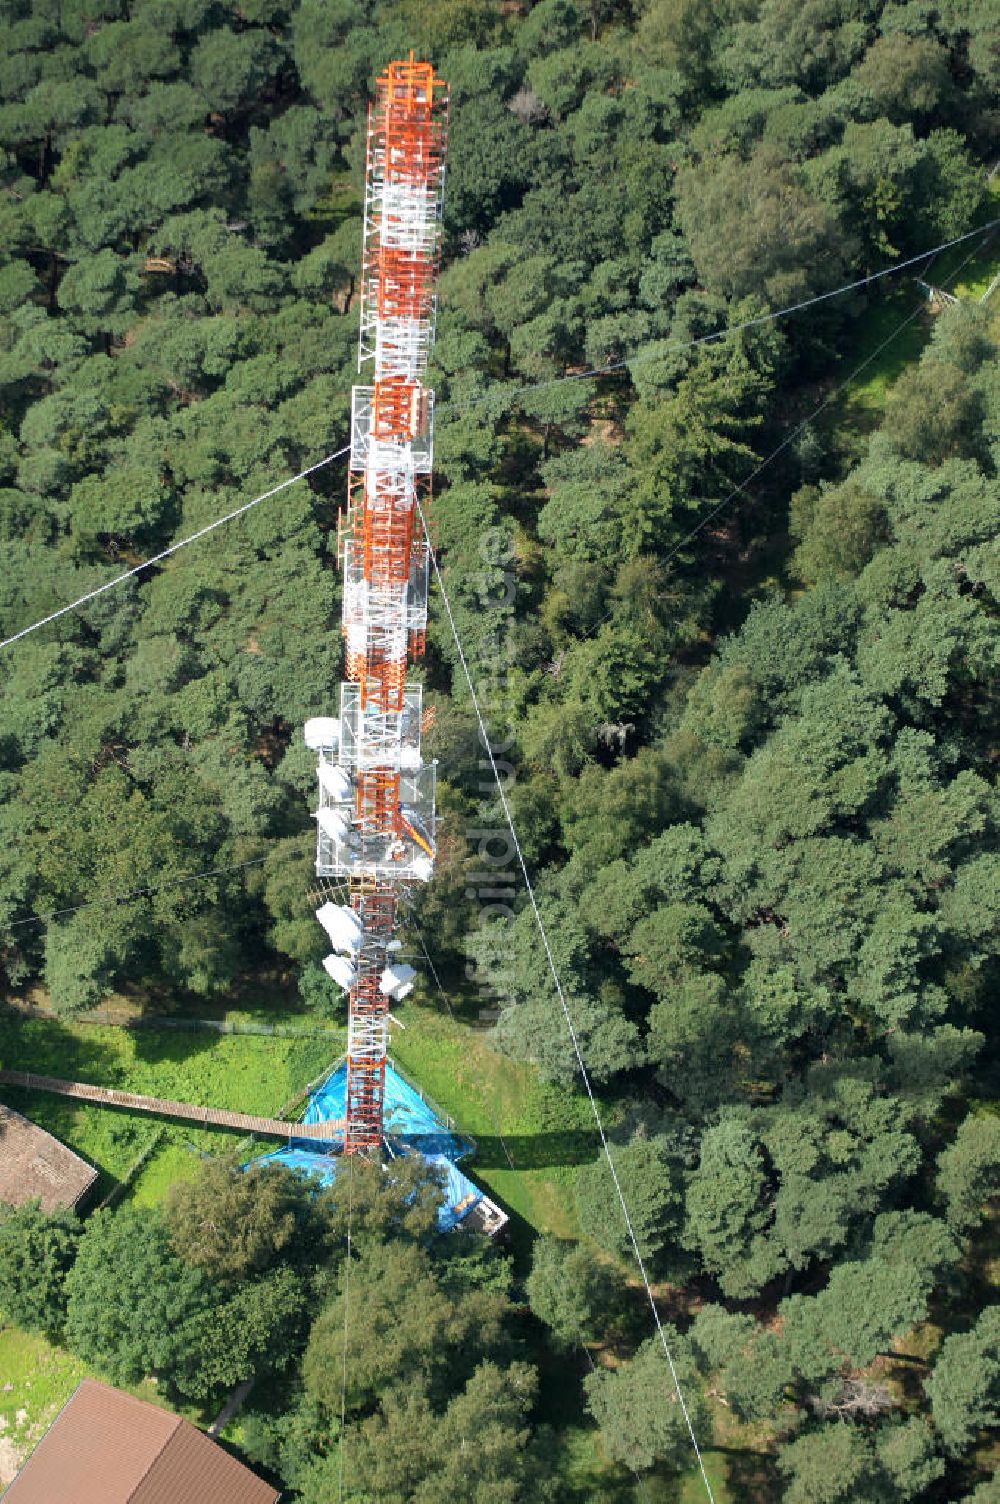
[[409, 1123]]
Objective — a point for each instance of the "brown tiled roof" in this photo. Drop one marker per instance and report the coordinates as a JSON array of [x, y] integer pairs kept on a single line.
[[193, 1470], [105, 1447], [36, 1166]]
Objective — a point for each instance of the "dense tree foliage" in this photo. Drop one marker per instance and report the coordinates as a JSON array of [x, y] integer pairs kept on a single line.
[[36, 1252], [964, 1388], [429, 1338], [411, 1341], [747, 715], [131, 1303], [638, 1407], [231, 1222], [574, 1293]]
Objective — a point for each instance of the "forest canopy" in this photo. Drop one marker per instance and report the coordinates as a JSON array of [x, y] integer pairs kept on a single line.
[[738, 641]]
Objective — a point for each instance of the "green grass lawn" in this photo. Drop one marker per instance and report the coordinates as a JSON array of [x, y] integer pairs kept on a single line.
[[247, 1073], [36, 1380], [546, 1130], [888, 338], [691, 1485], [255, 1073], [175, 1159]]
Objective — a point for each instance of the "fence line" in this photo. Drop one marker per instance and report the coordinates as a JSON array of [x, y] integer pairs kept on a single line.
[[139, 1163], [307, 1091], [101, 1017]]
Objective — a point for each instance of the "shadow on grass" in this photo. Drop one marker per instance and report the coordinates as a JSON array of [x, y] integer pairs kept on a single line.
[[106, 1137], [153, 1047], [751, 1475], [49, 1048], [537, 1151]]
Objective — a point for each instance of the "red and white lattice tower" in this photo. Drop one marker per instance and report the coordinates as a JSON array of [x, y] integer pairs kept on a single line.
[[375, 821]]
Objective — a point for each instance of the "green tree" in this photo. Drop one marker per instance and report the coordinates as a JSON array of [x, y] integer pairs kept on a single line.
[[829, 1465], [652, 1181], [907, 1453], [964, 1387], [127, 55], [838, 528], [414, 1328], [969, 1170], [903, 78], [719, 1336], [638, 1408], [86, 954], [864, 1305], [933, 413], [758, 1380], [99, 293], [380, 1206], [37, 1250], [574, 1293], [511, 962], [128, 501], [775, 229], [841, 1462], [132, 1306], [257, 1330], [232, 1222], [727, 1209], [412, 1452], [690, 448], [229, 67], [985, 1493]]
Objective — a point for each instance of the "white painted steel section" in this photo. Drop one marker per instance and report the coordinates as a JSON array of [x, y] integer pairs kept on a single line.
[[401, 242], [421, 448], [403, 347], [409, 218], [368, 1039]]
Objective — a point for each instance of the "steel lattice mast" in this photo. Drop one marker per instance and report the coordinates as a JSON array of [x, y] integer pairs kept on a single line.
[[375, 820]]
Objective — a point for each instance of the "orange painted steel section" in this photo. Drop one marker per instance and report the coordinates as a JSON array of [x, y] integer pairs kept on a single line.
[[410, 110], [377, 801], [407, 138], [405, 285]]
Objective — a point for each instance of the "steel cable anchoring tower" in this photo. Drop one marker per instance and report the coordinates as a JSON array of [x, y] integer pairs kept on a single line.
[[375, 820]]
